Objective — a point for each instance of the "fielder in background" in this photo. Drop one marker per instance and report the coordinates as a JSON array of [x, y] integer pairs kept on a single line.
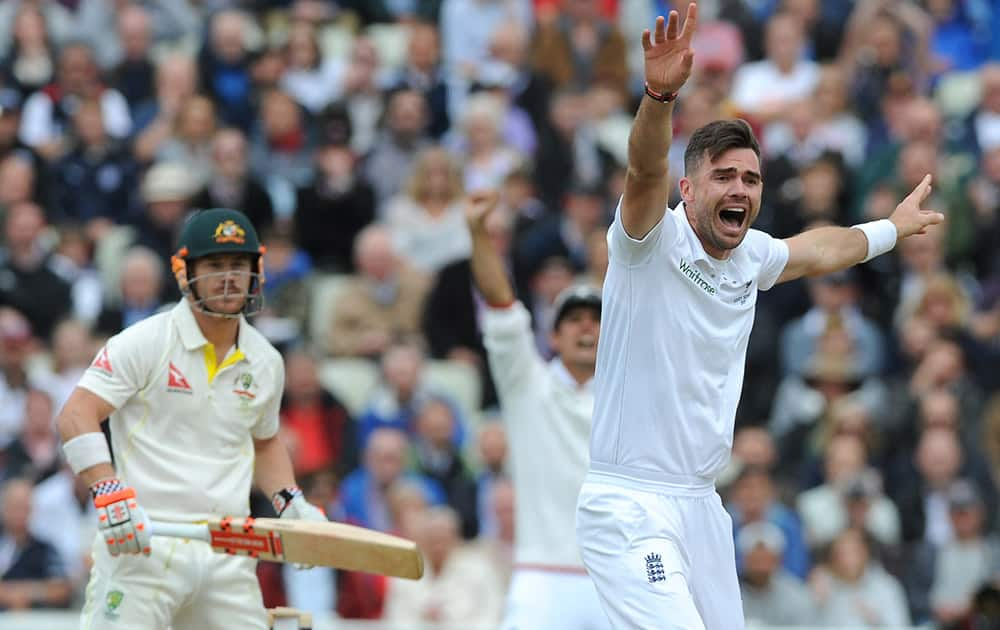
[[547, 409], [193, 397], [679, 303]]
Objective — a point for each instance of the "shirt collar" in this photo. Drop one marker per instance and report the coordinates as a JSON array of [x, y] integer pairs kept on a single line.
[[733, 265], [193, 338], [563, 375]]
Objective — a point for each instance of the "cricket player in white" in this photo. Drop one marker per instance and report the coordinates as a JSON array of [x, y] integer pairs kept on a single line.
[[679, 302], [193, 397], [547, 408]]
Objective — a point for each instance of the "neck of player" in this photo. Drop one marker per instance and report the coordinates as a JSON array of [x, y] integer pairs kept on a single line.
[[580, 373], [219, 331]]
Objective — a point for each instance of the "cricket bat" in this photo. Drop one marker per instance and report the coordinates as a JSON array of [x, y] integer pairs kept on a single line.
[[336, 545]]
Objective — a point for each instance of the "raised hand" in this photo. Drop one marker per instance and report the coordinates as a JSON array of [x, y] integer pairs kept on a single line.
[[668, 53], [909, 218], [478, 206]]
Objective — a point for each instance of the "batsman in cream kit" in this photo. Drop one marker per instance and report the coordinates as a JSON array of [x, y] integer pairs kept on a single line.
[[678, 307], [193, 396]]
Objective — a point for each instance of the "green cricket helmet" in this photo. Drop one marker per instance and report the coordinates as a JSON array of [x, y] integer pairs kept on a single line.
[[219, 231]]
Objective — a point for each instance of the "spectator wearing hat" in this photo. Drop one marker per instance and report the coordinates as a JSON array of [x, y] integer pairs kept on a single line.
[[969, 561], [390, 164], [231, 184], [337, 204], [771, 595], [166, 192], [28, 280]]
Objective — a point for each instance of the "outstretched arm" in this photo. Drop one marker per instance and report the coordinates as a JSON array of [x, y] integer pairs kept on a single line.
[[828, 249], [668, 59], [487, 268]]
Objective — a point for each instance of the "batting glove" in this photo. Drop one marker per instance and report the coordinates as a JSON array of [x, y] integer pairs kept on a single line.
[[290, 503], [121, 521]]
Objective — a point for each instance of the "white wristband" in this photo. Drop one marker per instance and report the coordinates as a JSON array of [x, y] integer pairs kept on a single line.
[[86, 450], [881, 237]]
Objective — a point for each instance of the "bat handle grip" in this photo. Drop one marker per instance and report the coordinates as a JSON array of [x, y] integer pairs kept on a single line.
[[194, 531]]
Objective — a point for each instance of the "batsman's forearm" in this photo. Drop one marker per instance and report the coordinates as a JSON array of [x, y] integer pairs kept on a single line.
[[488, 271], [272, 466], [650, 138]]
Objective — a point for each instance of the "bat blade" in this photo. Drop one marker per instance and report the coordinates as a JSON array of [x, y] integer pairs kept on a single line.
[[336, 545], [344, 546]]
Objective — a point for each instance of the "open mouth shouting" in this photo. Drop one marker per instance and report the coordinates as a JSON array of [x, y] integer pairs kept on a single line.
[[733, 219], [586, 342]]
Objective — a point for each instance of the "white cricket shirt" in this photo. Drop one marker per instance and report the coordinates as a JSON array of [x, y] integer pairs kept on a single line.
[[548, 417], [674, 329], [182, 435]]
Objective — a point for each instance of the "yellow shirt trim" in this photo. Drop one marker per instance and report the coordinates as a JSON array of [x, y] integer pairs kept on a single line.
[[212, 366]]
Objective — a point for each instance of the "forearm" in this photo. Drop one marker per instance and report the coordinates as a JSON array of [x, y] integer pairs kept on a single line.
[[488, 271], [272, 466], [82, 416], [649, 140], [647, 187]]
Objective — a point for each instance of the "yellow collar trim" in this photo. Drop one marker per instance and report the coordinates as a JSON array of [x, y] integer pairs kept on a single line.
[[212, 366]]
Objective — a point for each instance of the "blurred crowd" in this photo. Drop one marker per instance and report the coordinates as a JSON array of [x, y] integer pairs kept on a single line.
[[863, 486]]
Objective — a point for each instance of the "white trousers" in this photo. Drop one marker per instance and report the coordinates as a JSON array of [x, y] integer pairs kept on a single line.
[[182, 585], [554, 601], [660, 560]]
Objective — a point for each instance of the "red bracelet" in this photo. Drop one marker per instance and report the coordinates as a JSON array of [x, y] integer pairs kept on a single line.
[[660, 98]]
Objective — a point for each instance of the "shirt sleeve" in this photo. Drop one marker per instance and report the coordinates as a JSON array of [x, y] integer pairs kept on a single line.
[[267, 424], [513, 358], [117, 372], [773, 258], [630, 251]]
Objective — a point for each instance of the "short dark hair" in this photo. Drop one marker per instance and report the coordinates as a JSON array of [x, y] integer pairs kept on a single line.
[[716, 138]]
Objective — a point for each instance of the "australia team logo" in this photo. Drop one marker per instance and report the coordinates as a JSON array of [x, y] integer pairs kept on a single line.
[[242, 387], [230, 232]]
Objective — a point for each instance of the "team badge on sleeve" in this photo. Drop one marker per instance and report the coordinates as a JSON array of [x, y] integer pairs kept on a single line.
[[102, 362]]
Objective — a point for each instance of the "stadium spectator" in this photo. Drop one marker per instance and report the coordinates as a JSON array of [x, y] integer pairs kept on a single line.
[[968, 562], [317, 427], [333, 209], [458, 587], [34, 455], [426, 220], [364, 494], [48, 112], [310, 78], [383, 301], [436, 456], [852, 588], [31, 573], [771, 595], [18, 344], [30, 282], [30, 63], [390, 165], [230, 183], [422, 73], [176, 82]]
